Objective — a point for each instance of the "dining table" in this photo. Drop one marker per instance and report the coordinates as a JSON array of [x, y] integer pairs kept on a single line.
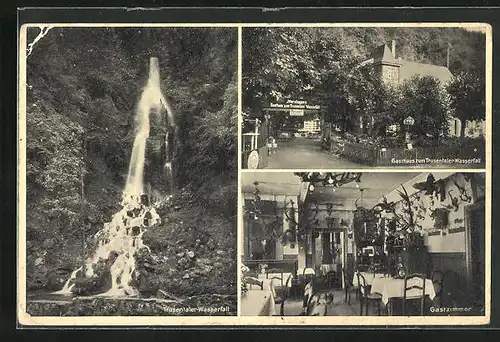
[[369, 277], [390, 288], [325, 268], [259, 302], [306, 271], [277, 279]]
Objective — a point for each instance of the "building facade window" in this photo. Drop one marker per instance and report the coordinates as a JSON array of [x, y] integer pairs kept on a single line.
[[391, 74]]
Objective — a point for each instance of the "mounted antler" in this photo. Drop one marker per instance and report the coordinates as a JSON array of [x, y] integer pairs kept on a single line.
[[463, 192], [454, 202]]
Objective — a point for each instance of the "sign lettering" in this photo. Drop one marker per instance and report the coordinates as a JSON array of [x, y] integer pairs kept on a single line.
[[295, 104], [296, 112]]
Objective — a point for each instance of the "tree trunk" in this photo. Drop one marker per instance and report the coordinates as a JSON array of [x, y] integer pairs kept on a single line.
[[462, 127]]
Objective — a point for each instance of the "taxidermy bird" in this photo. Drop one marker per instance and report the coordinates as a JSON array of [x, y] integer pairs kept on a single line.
[[454, 202], [429, 185]]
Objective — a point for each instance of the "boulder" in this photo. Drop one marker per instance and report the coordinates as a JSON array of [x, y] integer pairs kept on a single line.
[[101, 280], [49, 244], [147, 283]]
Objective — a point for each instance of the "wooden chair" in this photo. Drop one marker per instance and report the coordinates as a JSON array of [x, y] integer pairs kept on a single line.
[[412, 283], [366, 295], [437, 278], [302, 280], [254, 281], [349, 287], [283, 294], [318, 302], [276, 271], [332, 280]]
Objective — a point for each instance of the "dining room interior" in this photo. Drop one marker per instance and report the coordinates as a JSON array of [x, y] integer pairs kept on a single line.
[[371, 243]]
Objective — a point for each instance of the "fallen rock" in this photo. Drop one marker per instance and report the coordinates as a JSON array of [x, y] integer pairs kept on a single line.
[[101, 280], [203, 261], [49, 243], [147, 283], [182, 262], [56, 281]]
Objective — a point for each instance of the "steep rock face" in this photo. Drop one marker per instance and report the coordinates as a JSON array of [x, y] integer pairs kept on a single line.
[[49, 265], [160, 163], [145, 276]]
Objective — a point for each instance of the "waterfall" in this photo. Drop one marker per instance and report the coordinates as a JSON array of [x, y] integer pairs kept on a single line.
[[122, 236], [152, 100]]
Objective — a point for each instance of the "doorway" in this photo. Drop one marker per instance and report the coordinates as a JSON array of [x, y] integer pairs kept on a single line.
[[329, 257]]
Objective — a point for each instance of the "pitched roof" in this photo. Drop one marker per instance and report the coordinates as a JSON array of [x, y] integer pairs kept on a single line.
[[383, 54], [409, 69]]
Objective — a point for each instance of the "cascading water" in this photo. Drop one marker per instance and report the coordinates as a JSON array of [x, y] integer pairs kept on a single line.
[[152, 100], [122, 237]]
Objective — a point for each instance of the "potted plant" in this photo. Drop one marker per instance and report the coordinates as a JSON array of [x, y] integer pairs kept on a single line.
[[244, 271]]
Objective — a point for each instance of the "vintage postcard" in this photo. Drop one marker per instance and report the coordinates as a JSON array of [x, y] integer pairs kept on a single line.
[[254, 174]]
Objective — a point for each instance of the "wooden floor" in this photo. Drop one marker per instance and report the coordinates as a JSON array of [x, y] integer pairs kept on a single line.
[[338, 307]]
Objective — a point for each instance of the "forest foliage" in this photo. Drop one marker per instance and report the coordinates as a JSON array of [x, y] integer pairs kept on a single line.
[[82, 89]]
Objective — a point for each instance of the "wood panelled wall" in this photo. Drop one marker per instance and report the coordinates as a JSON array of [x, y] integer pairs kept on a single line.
[[449, 262]]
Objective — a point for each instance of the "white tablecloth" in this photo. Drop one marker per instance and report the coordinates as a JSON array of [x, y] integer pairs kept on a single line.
[[325, 268], [308, 271], [394, 288], [369, 276], [258, 303], [276, 279]]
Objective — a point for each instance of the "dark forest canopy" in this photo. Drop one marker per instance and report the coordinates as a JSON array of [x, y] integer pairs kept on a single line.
[[83, 85], [301, 62]]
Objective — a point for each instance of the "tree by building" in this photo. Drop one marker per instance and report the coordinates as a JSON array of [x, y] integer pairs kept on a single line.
[[425, 100], [467, 97]]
